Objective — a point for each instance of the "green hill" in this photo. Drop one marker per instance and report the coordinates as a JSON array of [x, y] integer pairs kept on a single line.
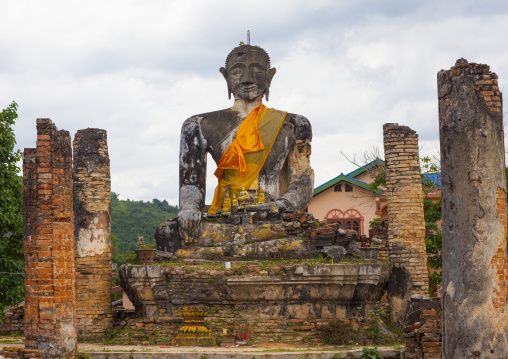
[[130, 219]]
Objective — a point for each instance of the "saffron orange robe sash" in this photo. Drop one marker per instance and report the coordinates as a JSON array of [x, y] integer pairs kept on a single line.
[[242, 161]]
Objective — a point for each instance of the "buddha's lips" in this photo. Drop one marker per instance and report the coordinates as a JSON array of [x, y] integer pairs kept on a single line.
[[249, 88]]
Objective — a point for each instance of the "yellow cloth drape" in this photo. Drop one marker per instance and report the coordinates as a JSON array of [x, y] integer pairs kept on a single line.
[[246, 140], [240, 164]]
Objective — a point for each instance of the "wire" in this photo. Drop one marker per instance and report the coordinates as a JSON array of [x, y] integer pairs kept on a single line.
[[11, 273]]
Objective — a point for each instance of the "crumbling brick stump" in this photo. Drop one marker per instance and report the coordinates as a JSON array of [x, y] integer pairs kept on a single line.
[[92, 213], [423, 329], [48, 232]]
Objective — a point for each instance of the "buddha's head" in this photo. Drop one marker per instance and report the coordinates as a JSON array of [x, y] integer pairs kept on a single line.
[[248, 73]]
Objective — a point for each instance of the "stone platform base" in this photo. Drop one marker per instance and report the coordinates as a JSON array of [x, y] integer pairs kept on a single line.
[[255, 293]]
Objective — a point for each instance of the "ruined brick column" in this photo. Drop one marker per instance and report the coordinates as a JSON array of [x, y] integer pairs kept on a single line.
[[473, 179], [406, 225], [92, 211], [50, 311]]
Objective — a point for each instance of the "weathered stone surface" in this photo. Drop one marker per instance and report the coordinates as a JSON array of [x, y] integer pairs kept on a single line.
[[354, 248], [92, 229], [344, 237], [293, 239], [216, 234], [475, 272], [400, 282], [378, 234], [48, 234], [305, 291], [286, 248], [337, 253], [278, 248], [167, 238], [344, 283], [210, 253], [369, 253], [406, 229]]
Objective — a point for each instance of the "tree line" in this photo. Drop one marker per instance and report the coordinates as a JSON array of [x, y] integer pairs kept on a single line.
[[131, 219]]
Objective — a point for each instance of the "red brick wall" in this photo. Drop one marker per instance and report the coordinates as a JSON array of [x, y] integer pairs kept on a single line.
[[486, 84], [499, 261], [50, 313], [423, 339]]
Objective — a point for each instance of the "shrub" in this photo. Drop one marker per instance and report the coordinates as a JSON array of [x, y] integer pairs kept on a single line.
[[370, 353], [338, 333]]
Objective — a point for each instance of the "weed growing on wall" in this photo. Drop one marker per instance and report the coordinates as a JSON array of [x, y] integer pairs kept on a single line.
[[370, 353]]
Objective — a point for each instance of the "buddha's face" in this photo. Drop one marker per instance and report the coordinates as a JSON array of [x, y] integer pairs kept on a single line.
[[247, 74]]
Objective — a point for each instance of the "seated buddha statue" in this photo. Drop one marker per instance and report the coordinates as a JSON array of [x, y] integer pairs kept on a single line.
[[244, 196], [253, 146], [235, 201], [261, 197], [226, 207]]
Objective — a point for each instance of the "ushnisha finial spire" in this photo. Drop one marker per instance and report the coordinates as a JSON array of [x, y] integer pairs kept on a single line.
[[248, 37]]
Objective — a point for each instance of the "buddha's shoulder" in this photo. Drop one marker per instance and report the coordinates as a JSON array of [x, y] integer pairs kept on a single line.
[[219, 115], [300, 125]]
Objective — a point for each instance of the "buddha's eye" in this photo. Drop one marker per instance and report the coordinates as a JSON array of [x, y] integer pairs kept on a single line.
[[236, 73], [256, 70]]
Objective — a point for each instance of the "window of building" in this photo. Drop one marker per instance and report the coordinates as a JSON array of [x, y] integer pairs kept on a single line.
[[352, 224], [337, 188], [349, 188], [350, 219]]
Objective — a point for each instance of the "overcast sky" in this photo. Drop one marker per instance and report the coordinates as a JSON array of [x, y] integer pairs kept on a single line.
[[139, 68]]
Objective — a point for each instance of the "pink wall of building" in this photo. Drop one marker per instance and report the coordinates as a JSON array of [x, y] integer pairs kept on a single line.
[[361, 200]]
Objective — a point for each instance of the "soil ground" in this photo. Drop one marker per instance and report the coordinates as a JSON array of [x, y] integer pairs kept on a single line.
[[282, 351]]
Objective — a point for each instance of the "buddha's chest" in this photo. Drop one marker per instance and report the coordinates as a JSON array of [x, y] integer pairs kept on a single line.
[[284, 141]]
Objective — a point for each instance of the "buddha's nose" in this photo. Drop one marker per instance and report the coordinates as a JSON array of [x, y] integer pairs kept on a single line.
[[247, 78]]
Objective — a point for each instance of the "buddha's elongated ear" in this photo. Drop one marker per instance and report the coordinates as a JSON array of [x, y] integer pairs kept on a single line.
[[224, 73], [271, 73]]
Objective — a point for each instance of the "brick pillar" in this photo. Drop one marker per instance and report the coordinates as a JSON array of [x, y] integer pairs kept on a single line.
[[474, 212], [406, 227], [50, 315], [92, 210]]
